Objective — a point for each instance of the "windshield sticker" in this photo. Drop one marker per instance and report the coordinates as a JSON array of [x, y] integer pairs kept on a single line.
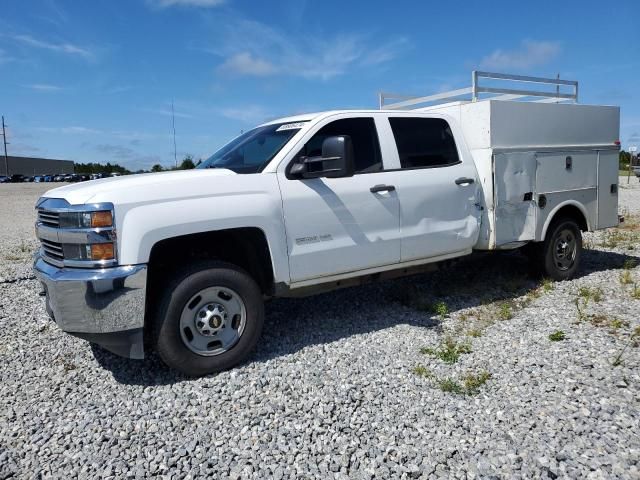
[[290, 126]]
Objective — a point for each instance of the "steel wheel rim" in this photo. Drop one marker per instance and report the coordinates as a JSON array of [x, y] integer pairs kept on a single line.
[[565, 249], [212, 321]]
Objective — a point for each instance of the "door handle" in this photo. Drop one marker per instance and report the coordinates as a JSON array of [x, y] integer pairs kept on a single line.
[[382, 188], [464, 181]]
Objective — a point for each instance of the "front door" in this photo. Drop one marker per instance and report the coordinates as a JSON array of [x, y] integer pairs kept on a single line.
[[341, 225]]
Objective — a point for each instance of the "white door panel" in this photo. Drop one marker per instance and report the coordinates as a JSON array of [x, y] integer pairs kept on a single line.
[[338, 225], [437, 216]]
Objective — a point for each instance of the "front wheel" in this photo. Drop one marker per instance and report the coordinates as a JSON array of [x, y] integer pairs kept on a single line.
[[210, 319], [558, 256]]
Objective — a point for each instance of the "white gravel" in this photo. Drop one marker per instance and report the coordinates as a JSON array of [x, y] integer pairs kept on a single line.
[[332, 391]]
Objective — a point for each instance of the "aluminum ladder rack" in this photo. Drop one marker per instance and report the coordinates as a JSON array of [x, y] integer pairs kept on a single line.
[[477, 92]]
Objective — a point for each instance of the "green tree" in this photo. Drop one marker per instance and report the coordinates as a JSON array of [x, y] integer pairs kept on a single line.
[[624, 158], [187, 163], [157, 168]]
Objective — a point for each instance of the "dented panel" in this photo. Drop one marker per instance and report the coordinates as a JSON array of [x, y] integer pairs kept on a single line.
[[515, 209]]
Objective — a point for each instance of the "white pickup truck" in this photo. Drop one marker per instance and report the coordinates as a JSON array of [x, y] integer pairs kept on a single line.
[[181, 262]]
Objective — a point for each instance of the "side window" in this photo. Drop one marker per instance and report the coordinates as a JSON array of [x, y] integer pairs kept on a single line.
[[424, 142], [364, 137]]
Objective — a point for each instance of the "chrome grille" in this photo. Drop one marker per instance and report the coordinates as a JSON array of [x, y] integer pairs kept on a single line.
[[49, 218], [52, 249]]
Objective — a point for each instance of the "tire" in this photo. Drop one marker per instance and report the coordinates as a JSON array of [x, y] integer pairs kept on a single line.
[[558, 256], [210, 319]]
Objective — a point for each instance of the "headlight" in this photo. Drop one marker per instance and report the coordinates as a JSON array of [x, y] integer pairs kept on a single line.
[[77, 235], [99, 219]]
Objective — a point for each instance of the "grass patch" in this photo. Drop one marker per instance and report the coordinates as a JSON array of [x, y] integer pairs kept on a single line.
[[474, 381], [422, 371], [626, 278], [471, 383], [547, 285], [505, 311], [557, 336], [635, 293], [441, 309], [474, 332], [589, 293], [635, 334], [449, 385], [448, 351]]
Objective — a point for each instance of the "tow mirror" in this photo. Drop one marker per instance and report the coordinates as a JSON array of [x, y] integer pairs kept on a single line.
[[336, 160]]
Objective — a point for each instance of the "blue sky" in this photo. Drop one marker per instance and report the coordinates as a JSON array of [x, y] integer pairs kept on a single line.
[[94, 81]]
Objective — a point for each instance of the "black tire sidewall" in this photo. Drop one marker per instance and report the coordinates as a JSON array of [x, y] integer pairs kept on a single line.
[[166, 329], [550, 268]]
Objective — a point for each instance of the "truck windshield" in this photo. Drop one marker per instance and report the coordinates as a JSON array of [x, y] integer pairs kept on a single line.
[[252, 151]]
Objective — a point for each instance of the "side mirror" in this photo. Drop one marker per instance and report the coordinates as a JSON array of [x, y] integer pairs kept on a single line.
[[336, 160]]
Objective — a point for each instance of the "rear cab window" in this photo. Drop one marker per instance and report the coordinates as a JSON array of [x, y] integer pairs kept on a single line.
[[424, 142]]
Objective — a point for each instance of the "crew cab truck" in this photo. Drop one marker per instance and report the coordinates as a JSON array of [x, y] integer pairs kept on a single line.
[[182, 262]]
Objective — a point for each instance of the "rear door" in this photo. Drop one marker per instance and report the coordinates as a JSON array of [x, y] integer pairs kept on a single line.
[[437, 189], [607, 189], [341, 225]]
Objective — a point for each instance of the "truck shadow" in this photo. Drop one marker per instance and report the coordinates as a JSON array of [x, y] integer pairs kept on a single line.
[[294, 324]]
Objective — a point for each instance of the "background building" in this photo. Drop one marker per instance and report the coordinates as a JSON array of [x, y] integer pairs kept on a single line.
[[34, 166]]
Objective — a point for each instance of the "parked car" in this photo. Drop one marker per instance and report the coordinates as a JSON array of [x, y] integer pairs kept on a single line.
[[38, 178], [309, 203], [17, 178], [4, 179], [636, 171]]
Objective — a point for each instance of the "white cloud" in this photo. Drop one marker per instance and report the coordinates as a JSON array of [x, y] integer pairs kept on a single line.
[[530, 54], [167, 112], [253, 48], [252, 114], [185, 3], [71, 130], [246, 64], [43, 87], [386, 52], [66, 48]]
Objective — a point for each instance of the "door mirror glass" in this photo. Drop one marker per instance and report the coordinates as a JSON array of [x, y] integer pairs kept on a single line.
[[335, 161]]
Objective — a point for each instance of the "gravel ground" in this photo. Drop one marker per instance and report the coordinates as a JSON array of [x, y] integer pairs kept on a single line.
[[359, 388]]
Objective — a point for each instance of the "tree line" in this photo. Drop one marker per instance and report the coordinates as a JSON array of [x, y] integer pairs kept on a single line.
[[108, 168]]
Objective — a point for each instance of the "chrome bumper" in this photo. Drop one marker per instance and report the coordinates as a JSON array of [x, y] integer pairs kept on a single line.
[[105, 306]]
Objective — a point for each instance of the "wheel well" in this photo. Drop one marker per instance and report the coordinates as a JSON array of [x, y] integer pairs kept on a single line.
[[245, 247], [574, 213]]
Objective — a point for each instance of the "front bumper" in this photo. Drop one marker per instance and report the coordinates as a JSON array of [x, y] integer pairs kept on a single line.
[[105, 306]]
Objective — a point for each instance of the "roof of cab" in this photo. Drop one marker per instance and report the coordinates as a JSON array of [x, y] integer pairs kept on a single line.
[[305, 117]]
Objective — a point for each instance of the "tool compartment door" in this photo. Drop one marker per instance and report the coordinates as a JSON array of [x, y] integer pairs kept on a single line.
[[515, 210], [607, 189]]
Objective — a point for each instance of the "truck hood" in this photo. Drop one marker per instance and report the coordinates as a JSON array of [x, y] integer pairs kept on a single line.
[[110, 189]]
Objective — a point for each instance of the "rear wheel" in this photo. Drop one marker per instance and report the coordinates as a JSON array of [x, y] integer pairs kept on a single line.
[[210, 319], [558, 256]]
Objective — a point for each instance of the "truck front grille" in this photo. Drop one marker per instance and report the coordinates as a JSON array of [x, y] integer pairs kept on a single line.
[[49, 218], [52, 249]]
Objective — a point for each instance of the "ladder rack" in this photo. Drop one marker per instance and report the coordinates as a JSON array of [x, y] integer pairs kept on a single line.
[[473, 93]]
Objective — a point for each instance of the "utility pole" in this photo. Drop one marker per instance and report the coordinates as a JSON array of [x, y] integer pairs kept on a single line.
[[4, 140], [173, 126]]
